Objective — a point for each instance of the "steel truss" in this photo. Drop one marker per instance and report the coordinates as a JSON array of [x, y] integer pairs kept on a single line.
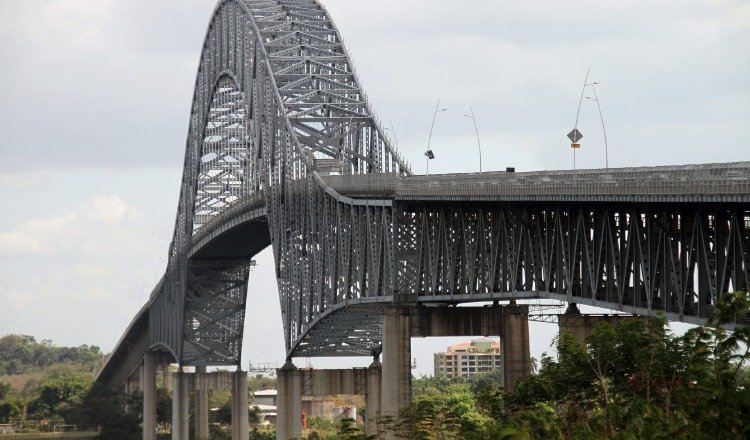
[[277, 107], [675, 258], [284, 149]]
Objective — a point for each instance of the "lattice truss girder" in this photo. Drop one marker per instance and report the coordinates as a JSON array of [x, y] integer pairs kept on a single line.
[[277, 107], [214, 314], [675, 258]]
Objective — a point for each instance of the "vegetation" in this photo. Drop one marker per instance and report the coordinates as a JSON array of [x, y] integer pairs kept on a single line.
[[23, 354], [634, 380]]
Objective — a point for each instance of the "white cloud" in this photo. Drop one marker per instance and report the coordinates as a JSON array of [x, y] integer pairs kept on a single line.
[[107, 208], [44, 237]]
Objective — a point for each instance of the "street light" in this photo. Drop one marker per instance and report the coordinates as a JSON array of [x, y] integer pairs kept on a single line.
[[575, 135], [479, 144], [596, 98], [393, 130], [429, 153]]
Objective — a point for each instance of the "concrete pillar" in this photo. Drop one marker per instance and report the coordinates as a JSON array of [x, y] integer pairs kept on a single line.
[[240, 423], [166, 375], [148, 385], [288, 402], [201, 404], [396, 368], [582, 326], [180, 409], [516, 354], [372, 396]]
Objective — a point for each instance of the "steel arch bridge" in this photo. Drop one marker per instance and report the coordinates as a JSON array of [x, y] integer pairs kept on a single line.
[[284, 150]]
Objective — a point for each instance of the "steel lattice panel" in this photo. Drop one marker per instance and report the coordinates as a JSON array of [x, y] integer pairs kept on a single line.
[[675, 258]]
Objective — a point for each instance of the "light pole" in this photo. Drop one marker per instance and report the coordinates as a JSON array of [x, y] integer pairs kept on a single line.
[[596, 98], [429, 153], [479, 144], [574, 137], [393, 130]]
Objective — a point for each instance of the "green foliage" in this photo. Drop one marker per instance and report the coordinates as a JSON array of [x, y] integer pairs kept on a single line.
[[260, 382], [267, 434], [4, 389], [22, 354], [59, 394], [11, 408], [633, 380], [348, 430], [321, 424]]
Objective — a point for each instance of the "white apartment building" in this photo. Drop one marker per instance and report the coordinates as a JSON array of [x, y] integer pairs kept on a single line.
[[468, 358]]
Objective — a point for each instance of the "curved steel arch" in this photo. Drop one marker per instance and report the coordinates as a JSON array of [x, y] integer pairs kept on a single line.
[[305, 117]]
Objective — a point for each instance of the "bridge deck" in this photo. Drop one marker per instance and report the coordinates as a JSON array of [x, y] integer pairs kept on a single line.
[[726, 182]]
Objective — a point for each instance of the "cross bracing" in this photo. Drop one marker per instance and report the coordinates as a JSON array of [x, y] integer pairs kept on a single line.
[[284, 150]]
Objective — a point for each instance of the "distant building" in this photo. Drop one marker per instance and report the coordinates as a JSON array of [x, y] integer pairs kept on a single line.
[[468, 358]]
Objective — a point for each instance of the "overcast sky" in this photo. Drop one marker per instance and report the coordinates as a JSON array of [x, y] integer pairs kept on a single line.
[[94, 106]]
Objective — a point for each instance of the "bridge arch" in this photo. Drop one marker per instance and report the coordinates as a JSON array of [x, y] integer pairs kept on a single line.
[[281, 71]]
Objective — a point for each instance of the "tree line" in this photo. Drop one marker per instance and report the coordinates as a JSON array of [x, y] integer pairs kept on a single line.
[[23, 354]]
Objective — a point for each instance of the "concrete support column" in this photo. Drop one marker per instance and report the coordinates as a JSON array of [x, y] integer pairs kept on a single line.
[[372, 396], [148, 385], [180, 407], [240, 423], [166, 375], [396, 368], [201, 404], [582, 326], [516, 354], [289, 402]]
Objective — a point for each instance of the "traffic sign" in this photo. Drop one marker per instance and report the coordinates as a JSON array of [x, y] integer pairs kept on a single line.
[[575, 135]]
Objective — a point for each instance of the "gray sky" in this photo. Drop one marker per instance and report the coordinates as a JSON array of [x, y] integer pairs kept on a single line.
[[94, 106]]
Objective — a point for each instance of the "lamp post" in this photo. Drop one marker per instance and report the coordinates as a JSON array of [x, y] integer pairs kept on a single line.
[[573, 137], [479, 144], [393, 130], [601, 118], [429, 153]]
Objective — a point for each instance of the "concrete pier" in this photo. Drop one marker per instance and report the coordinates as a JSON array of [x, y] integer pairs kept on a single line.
[[180, 407], [373, 401], [289, 402], [201, 404], [240, 423], [515, 346], [582, 326], [396, 366], [148, 385]]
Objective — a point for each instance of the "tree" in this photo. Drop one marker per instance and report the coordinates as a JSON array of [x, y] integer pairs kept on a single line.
[[57, 395], [4, 389]]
